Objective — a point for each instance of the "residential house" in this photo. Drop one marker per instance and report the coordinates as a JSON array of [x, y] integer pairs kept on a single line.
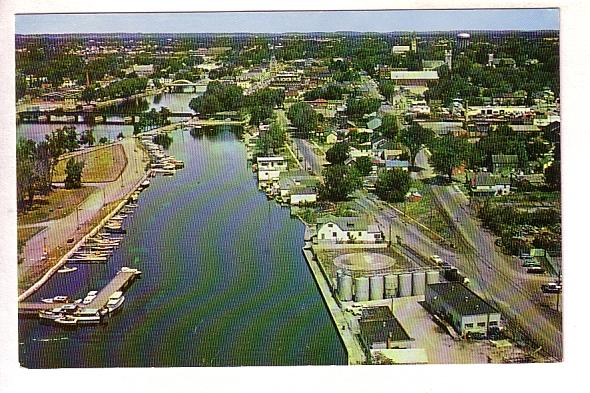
[[431, 65], [486, 184], [331, 138], [441, 128], [331, 230], [374, 123], [504, 163], [399, 164], [301, 195], [462, 308], [269, 170]]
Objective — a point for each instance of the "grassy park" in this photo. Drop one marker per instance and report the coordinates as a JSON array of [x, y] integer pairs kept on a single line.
[[100, 165]]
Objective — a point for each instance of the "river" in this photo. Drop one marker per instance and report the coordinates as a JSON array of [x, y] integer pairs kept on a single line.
[[224, 280], [176, 102]]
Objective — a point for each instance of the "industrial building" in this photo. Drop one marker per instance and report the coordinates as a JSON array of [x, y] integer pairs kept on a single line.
[[462, 308], [414, 78], [380, 329]]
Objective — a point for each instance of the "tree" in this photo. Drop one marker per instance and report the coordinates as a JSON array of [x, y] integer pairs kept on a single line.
[[24, 171], [448, 153], [338, 153], [259, 113], [74, 174], [103, 140], [339, 182], [390, 127], [87, 137], [414, 137], [364, 165], [120, 135], [393, 185], [553, 175], [303, 117], [537, 149]]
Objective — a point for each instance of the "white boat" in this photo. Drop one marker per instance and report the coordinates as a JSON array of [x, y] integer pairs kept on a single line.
[[67, 269], [131, 205], [52, 314], [56, 299], [67, 320], [145, 183], [115, 301], [87, 259]]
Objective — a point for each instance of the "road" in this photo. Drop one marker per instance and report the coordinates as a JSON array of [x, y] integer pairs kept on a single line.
[[311, 159], [422, 162], [500, 277], [58, 231]]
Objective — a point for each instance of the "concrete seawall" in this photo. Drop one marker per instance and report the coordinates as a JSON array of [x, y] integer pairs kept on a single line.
[[353, 348]]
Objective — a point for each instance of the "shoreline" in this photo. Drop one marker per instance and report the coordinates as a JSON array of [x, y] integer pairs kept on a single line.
[[119, 203], [354, 351]]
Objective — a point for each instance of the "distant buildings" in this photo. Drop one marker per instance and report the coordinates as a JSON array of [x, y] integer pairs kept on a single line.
[[143, 70], [414, 78]]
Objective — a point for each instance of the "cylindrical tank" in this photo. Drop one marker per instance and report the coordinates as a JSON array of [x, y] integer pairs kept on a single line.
[[345, 288], [432, 277], [418, 283], [376, 287], [338, 279], [405, 284], [391, 286], [361, 288]]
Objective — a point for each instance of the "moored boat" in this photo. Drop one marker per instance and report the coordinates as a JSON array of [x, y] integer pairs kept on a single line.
[[56, 299], [67, 269]]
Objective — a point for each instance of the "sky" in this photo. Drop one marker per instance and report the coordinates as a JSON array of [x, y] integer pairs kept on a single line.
[[278, 22]]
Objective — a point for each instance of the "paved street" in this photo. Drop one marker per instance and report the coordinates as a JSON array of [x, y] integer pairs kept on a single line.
[[58, 231], [499, 276], [312, 160]]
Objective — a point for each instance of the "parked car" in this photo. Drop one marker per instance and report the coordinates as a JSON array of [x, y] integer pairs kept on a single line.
[[531, 263], [535, 270], [552, 287]]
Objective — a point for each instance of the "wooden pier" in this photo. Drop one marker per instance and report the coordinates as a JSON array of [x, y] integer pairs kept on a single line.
[[120, 282]]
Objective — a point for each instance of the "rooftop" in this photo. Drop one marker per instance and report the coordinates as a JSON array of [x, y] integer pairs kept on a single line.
[[349, 223], [378, 324], [504, 159], [433, 75], [461, 298]]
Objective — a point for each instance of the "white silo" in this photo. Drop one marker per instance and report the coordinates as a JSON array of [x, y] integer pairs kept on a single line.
[[376, 287], [361, 289], [391, 286], [405, 284], [345, 288], [418, 283], [432, 277]]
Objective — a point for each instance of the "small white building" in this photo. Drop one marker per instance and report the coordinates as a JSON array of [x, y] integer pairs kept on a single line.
[[303, 196], [269, 170], [333, 229]]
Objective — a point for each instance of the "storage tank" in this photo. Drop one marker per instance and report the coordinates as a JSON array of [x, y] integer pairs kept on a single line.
[[391, 286], [432, 277], [338, 279], [361, 288], [345, 287], [405, 284], [418, 283], [376, 287]]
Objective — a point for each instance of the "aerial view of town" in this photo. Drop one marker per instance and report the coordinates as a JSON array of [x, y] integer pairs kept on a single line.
[[282, 197]]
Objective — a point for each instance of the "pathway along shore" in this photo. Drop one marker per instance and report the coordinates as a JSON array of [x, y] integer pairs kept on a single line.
[[75, 225]]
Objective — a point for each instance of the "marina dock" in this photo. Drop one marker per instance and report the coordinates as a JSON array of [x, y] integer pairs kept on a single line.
[[120, 282]]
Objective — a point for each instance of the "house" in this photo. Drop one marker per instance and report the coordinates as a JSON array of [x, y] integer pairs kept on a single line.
[[333, 229], [331, 138], [301, 195], [380, 329], [400, 164], [504, 163], [462, 308], [269, 170], [399, 49], [374, 123], [414, 78], [486, 184], [441, 128]]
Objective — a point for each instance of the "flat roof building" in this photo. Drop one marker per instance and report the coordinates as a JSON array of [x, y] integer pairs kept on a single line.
[[380, 329], [413, 78]]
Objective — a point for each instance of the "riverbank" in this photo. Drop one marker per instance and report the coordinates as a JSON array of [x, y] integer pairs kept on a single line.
[[47, 250], [354, 350]]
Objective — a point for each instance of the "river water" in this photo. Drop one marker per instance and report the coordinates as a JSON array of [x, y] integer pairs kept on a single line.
[[224, 279]]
